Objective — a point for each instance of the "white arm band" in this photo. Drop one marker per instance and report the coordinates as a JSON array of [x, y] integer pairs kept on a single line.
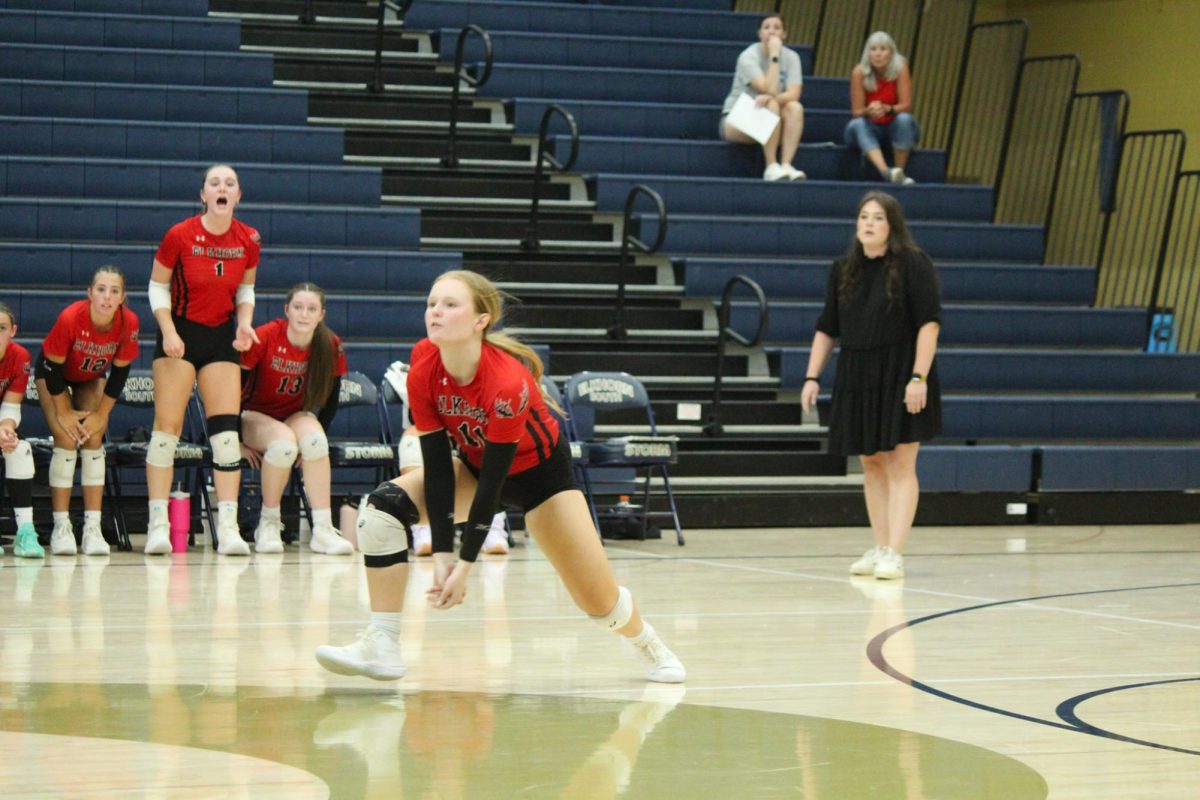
[[160, 296], [11, 411], [245, 294]]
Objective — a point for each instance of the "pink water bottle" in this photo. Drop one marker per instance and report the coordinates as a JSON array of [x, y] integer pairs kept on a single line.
[[179, 513]]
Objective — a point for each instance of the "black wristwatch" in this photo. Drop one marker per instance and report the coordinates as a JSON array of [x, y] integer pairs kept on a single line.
[[774, 59]]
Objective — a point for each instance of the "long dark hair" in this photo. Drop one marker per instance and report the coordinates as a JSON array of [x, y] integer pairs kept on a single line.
[[899, 243], [319, 381], [12, 317]]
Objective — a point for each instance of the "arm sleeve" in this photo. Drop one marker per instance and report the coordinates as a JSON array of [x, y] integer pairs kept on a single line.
[[922, 292], [329, 408], [829, 323], [439, 489], [116, 381], [52, 372], [497, 458]]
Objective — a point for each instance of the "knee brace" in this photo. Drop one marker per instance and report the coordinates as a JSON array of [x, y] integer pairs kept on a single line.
[[621, 613], [62, 468], [91, 468], [161, 450], [384, 524], [314, 446], [18, 464], [410, 452], [223, 439], [280, 453]]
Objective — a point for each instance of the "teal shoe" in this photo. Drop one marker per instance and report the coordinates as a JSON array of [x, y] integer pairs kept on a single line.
[[27, 545]]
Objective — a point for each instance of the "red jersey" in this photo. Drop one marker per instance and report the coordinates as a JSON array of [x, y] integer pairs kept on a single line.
[[206, 268], [88, 353], [502, 404], [14, 370], [278, 368], [886, 92]]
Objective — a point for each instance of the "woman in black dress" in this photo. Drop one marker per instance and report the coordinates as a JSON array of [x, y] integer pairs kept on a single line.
[[883, 304]]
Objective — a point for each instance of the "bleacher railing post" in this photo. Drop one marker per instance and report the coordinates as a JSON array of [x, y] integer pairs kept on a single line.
[[725, 331], [377, 83], [450, 159], [628, 240], [531, 241]]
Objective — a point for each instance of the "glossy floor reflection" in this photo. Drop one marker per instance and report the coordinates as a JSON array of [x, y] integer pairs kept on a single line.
[[1069, 671]]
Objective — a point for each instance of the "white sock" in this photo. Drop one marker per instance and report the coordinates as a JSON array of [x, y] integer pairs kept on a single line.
[[322, 517], [158, 513], [498, 523], [388, 622], [60, 516], [227, 514], [23, 515], [271, 513], [646, 635]]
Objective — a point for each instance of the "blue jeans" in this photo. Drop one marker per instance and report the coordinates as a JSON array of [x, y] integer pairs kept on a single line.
[[902, 132]]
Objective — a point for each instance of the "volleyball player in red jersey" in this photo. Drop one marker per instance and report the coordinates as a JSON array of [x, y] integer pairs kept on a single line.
[[80, 374], [18, 455], [289, 398], [482, 390], [202, 296]]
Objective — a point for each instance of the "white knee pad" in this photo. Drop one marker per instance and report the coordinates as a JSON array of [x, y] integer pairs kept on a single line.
[[314, 446], [226, 451], [280, 453], [18, 464], [91, 468], [621, 613], [380, 534], [62, 468], [161, 450], [410, 452]]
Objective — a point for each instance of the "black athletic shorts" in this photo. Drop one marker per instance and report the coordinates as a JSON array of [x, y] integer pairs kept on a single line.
[[527, 490], [203, 344]]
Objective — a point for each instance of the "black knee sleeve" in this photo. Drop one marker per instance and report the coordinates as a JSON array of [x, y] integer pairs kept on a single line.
[[378, 562], [391, 499]]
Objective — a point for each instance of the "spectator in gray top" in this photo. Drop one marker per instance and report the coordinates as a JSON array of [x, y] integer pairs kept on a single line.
[[770, 73]]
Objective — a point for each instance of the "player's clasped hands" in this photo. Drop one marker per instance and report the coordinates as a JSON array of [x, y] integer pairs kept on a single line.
[[449, 581]]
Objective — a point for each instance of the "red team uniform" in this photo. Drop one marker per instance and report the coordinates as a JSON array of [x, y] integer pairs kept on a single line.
[[14, 370], [278, 368], [502, 404], [89, 353], [206, 268]]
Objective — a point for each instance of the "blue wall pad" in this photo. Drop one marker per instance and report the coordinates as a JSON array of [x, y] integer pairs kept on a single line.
[[144, 221], [125, 101], [175, 8], [805, 278], [119, 30], [794, 322], [715, 158], [985, 468], [548, 18], [1078, 468], [515, 47], [33, 176], [701, 234], [201, 68], [177, 141], [812, 198]]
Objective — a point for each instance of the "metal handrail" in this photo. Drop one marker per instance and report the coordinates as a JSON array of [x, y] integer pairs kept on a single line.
[[618, 331], [531, 240], [308, 14], [401, 8], [460, 75], [713, 426]]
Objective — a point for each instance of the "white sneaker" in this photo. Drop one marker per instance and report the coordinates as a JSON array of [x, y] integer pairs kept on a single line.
[[93, 541], [230, 541], [422, 540], [775, 172], [62, 539], [496, 543], [329, 540], [866, 564], [890, 565], [794, 174], [268, 536], [375, 655], [896, 175], [158, 540], [662, 666]]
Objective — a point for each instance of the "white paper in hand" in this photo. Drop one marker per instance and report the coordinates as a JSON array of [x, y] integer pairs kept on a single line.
[[755, 121]]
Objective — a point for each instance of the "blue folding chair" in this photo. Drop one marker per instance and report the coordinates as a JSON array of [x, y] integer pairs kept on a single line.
[[590, 395]]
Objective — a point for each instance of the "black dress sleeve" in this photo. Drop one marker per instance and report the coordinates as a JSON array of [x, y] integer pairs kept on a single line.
[[829, 323], [922, 292]]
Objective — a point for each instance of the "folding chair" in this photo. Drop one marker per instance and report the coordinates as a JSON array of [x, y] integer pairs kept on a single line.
[[129, 452], [359, 393], [588, 395]]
